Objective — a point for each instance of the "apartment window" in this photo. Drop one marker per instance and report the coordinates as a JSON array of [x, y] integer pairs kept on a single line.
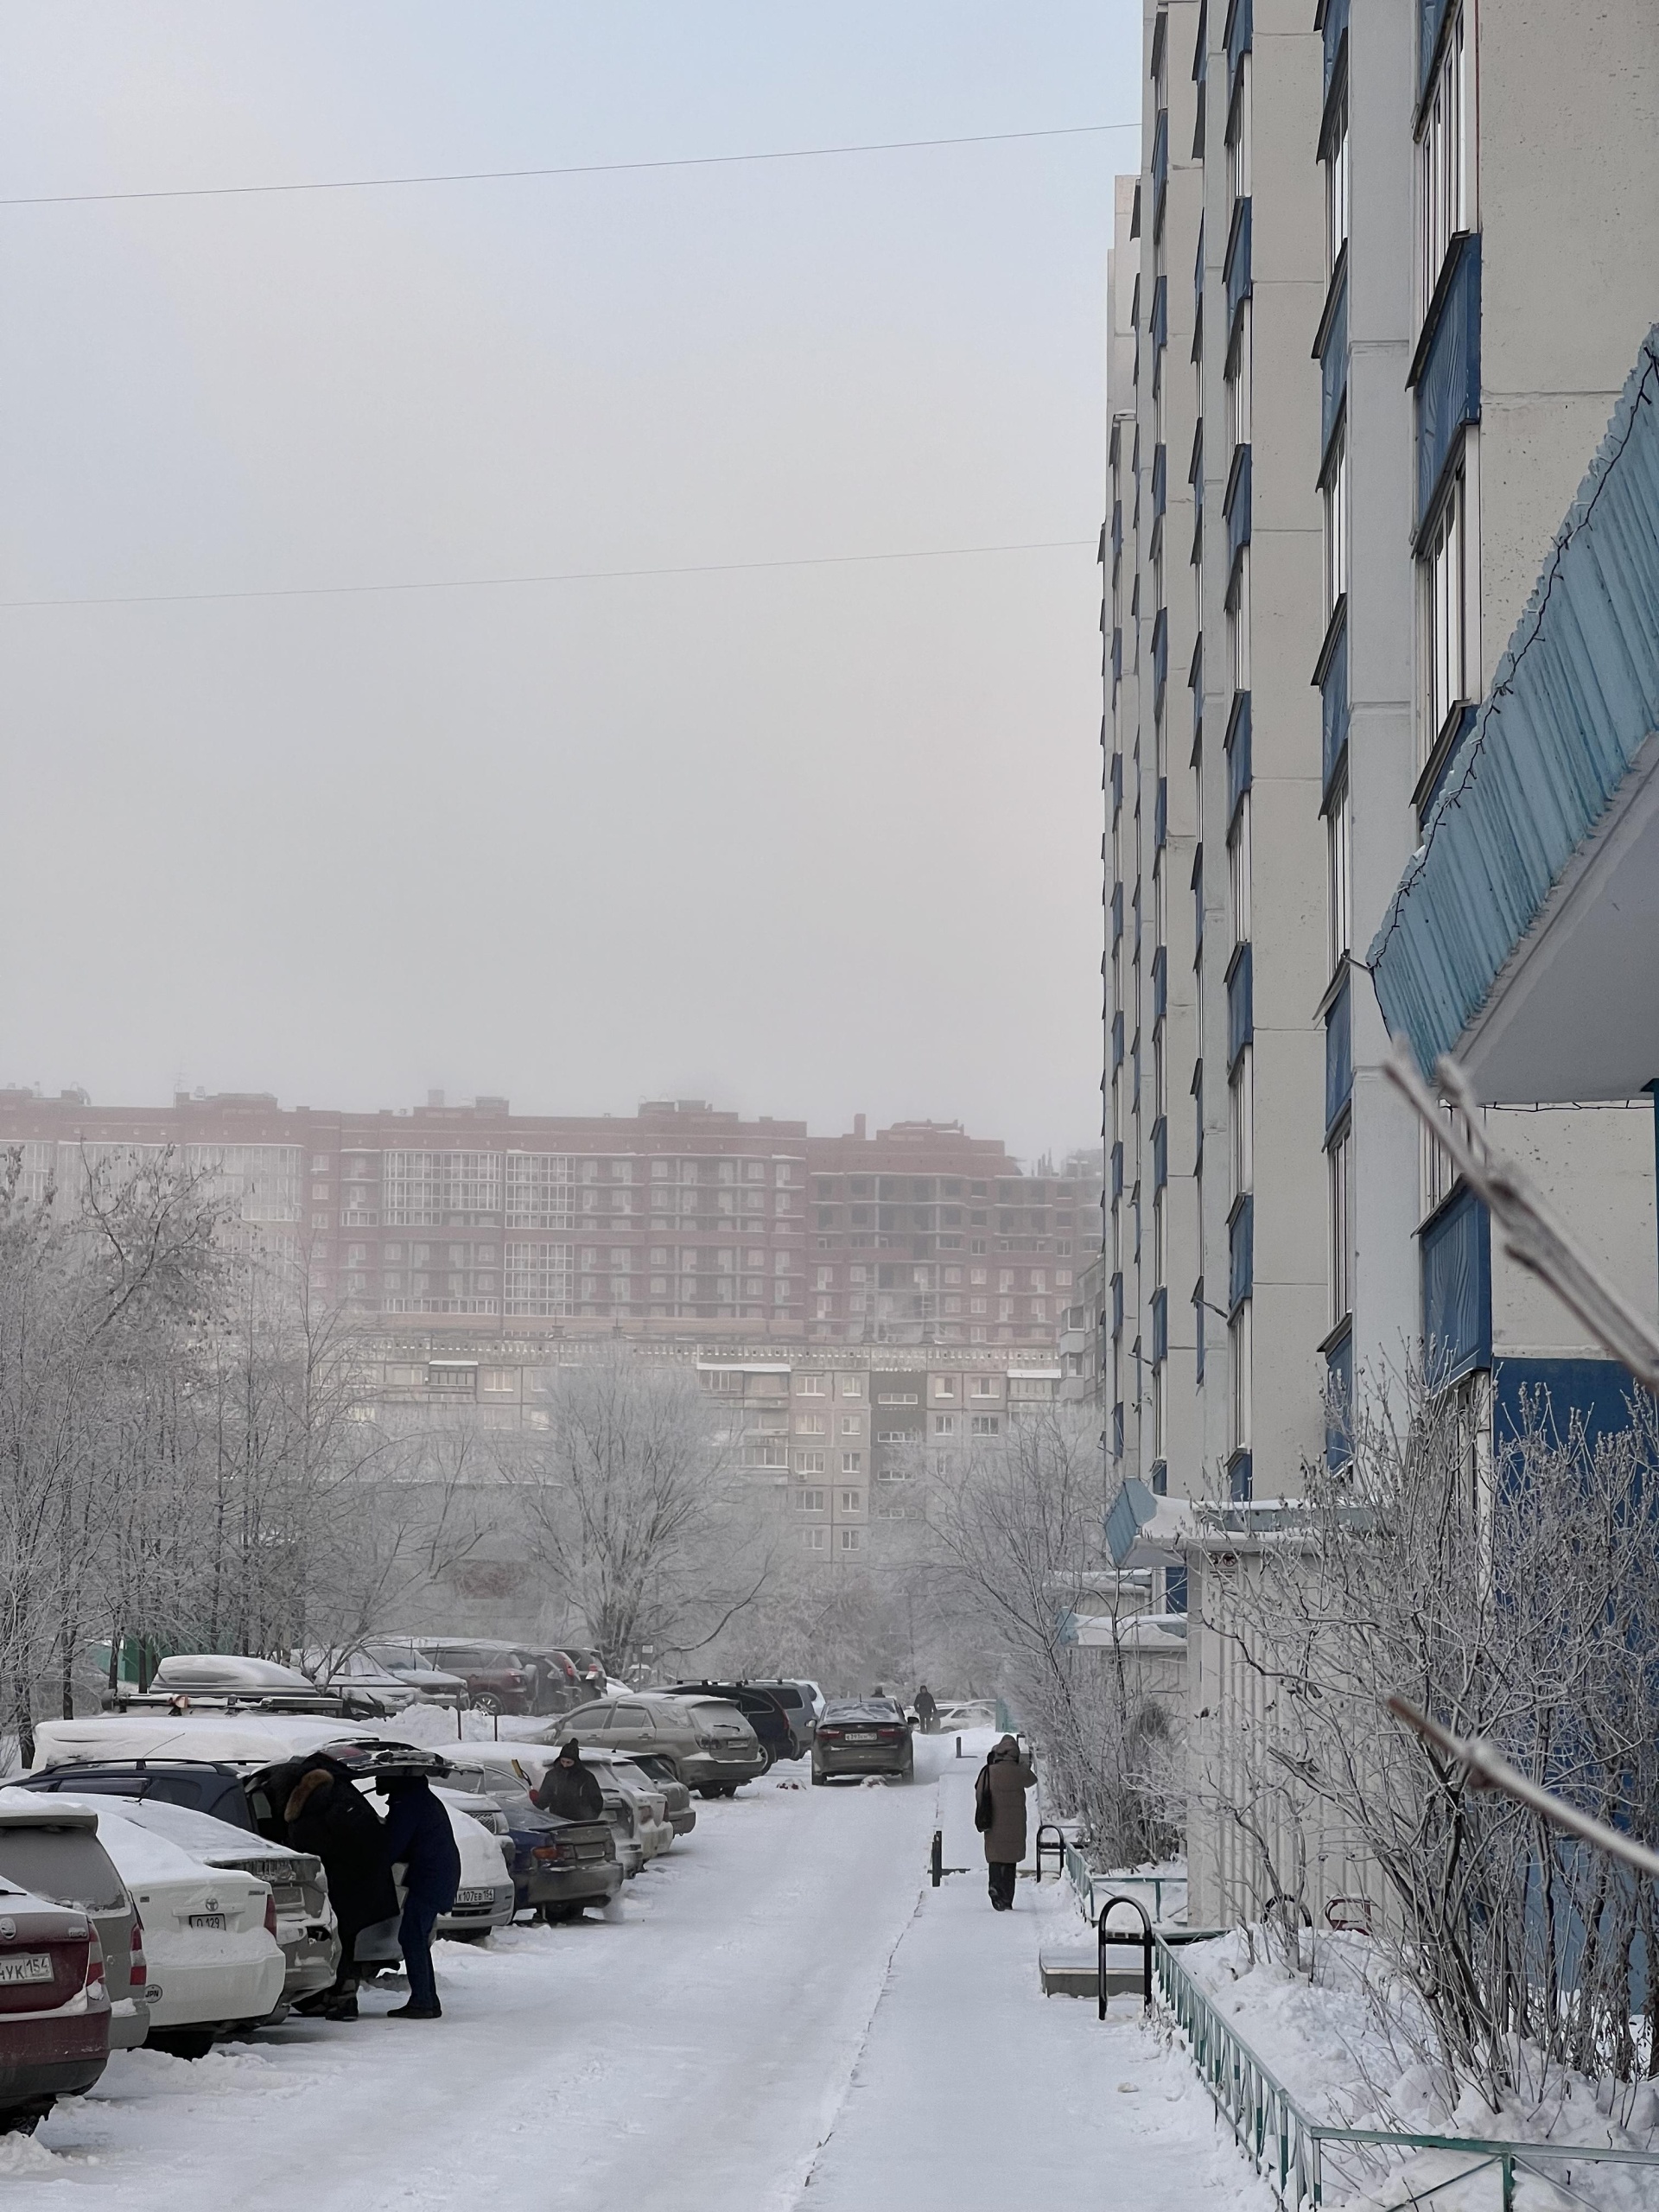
[[810, 1386], [1240, 375], [808, 1463], [852, 1540], [1336, 180], [826, 1279], [1336, 523], [1240, 1093], [1445, 184], [1448, 659], [852, 1386], [810, 1501], [1238, 870], [1339, 1166], [1238, 1346], [985, 1386], [985, 1424], [1339, 845], [944, 1386], [1159, 1251], [1238, 621], [1438, 1173], [852, 1501], [945, 1424], [809, 1425], [499, 1382], [1238, 135], [852, 1463], [816, 1540]]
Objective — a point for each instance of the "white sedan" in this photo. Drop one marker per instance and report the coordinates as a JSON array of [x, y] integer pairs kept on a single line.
[[210, 1936]]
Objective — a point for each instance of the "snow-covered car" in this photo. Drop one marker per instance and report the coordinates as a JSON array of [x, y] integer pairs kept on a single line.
[[228, 1681], [53, 1852], [306, 1929], [864, 1736], [55, 2006], [402, 1665], [210, 1933], [558, 1866], [616, 1768], [709, 1743], [681, 1813]]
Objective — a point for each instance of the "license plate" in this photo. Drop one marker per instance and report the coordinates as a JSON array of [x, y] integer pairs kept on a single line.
[[207, 1920], [474, 1897], [854, 1738], [27, 1966]]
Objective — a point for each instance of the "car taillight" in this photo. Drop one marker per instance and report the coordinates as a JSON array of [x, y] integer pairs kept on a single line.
[[94, 1983], [140, 1970], [270, 1915], [828, 1735], [554, 1854]]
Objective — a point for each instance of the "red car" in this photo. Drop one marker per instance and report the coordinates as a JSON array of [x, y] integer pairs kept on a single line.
[[54, 2007], [499, 1678]]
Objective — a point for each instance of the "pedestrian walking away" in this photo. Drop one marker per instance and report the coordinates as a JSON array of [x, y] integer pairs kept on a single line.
[[419, 1838], [570, 1788], [1000, 1815], [324, 1814], [927, 1709]]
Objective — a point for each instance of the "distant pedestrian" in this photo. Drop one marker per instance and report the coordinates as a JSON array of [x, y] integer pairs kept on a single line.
[[323, 1814], [999, 1817], [419, 1839], [927, 1710], [570, 1788]]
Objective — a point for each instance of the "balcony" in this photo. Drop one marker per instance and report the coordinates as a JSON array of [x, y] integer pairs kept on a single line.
[[1241, 1252], [1446, 372], [1160, 1327], [1159, 984], [1237, 36], [1237, 744], [1236, 505], [1332, 676], [1338, 1056], [1455, 1248], [1241, 1011], [1159, 652], [1330, 350], [1160, 1155], [1159, 167], [1160, 472], [1235, 269]]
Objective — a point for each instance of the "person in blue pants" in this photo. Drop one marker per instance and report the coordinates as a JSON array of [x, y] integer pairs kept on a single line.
[[420, 1838]]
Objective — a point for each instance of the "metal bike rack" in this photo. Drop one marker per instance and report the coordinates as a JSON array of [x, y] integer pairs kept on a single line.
[[1118, 1935], [1058, 1847], [936, 1865]]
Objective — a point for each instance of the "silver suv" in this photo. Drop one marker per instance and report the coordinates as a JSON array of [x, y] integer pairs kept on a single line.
[[710, 1744]]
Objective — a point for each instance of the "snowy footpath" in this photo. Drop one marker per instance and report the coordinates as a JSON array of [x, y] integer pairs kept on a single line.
[[783, 2015]]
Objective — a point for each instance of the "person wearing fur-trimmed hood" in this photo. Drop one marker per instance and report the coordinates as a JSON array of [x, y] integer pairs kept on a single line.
[[1000, 1815]]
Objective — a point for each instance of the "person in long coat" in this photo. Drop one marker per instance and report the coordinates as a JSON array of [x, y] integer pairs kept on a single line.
[[324, 1814], [1001, 1786], [570, 1789], [420, 1839]]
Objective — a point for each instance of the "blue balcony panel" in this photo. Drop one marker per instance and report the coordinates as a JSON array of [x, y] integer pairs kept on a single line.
[[1339, 1401], [1160, 162], [1117, 911], [1160, 471], [1239, 28], [1241, 1253], [1235, 269], [1338, 1057], [1431, 21], [1240, 1478], [1445, 374], [1237, 505], [1160, 1153], [1335, 29], [1160, 1327], [1241, 1011], [1160, 324], [1333, 710], [1456, 1252], [1160, 650], [1159, 984], [1333, 369], [1160, 815], [1238, 752]]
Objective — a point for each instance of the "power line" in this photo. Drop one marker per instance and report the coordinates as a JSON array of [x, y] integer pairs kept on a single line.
[[579, 168], [558, 577]]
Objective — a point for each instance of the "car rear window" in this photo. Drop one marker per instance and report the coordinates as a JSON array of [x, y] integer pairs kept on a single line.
[[69, 1864], [787, 1697]]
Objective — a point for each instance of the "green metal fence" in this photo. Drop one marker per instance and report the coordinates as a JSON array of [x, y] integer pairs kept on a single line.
[[1303, 2160]]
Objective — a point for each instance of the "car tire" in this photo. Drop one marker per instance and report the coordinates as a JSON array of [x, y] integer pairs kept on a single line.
[[488, 1703], [556, 1916], [708, 1790], [23, 2120], [180, 2042], [818, 1779], [766, 1753]]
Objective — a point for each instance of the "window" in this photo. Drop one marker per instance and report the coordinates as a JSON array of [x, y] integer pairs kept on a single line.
[[945, 1424], [826, 1279], [1241, 1094], [809, 1425], [945, 1385], [1238, 870], [1339, 1164], [1336, 523], [1240, 368], [816, 1540], [810, 1386], [852, 1463], [852, 1425], [810, 1501], [808, 1463], [1448, 659], [1438, 1173], [1238, 135], [1337, 181], [499, 1382], [985, 1386], [852, 1540], [985, 1424], [1338, 840], [1445, 184], [1238, 621], [852, 1501], [1238, 1345], [852, 1386]]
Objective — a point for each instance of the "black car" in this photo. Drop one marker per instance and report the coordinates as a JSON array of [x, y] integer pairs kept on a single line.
[[861, 1736], [559, 1866], [758, 1708]]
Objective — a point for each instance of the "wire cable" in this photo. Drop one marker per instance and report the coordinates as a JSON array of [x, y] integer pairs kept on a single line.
[[556, 577], [576, 168]]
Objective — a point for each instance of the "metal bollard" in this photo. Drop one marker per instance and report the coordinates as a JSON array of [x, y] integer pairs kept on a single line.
[[937, 1866], [958, 1747]]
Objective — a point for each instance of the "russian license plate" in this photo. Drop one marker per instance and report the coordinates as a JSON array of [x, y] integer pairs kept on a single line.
[[27, 1966], [206, 1920], [855, 1737], [474, 1897]]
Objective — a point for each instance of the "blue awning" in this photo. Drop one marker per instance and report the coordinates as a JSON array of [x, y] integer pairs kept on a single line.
[[1574, 698]]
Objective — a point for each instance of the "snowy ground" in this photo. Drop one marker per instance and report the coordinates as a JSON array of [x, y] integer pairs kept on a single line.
[[783, 2007]]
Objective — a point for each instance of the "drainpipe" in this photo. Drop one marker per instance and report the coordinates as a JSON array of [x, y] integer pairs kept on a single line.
[[1652, 1090]]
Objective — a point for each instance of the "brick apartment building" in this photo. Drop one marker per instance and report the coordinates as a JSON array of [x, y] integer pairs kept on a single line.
[[681, 1222]]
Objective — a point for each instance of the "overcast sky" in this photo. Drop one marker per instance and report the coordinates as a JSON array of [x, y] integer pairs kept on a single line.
[[806, 841]]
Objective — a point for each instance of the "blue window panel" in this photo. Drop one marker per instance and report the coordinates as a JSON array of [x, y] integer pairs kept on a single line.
[[1557, 1393], [1237, 505], [1117, 658], [1456, 1250], [1338, 1401], [1160, 815], [1240, 25], [1241, 1253], [1160, 162], [1117, 1171], [1333, 371], [1117, 911], [1160, 1479], [1135, 907], [1159, 649], [1241, 1011], [1117, 1431], [1198, 902], [1335, 28], [1174, 1589], [1198, 258], [1160, 475], [1198, 1326], [1134, 1082], [1235, 269], [1338, 1056], [1117, 785], [1117, 1308], [1431, 20], [1333, 710], [1160, 324], [1117, 529], [1160, 1153], [1453, 757], [1240, 1478], [1159, 984], [1238, 752], [1160, 1326], [1117, 1040], [1447, 372]]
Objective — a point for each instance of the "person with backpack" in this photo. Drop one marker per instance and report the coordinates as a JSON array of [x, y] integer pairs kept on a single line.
[[1000, 1815]]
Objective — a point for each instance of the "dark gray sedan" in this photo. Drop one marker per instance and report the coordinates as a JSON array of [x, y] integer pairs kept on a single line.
[[862, 1736]]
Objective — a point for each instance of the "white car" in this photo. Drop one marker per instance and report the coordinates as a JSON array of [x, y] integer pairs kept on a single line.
[[365, 1674], [210, 1933], [306, 1928]]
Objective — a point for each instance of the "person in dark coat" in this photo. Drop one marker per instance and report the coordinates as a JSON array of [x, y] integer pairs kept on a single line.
[[927, 1709], [1000, 1793], [419, 1839], [324, 1814], [570, 1788]]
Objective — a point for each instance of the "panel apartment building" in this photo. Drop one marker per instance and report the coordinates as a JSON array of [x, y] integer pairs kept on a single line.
[[1367, 324]]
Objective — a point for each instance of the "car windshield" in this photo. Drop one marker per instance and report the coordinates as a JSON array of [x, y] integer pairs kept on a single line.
[[68, 1864]]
